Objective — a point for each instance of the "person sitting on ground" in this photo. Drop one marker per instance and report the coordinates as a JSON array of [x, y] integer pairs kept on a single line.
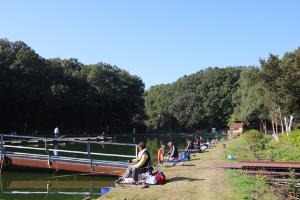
[[190, 145], [160, 155], [200, 140], [197, 144], [173, 152], [142, 164]]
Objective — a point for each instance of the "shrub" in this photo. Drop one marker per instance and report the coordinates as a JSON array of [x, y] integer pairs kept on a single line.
[[256, 140], [240, 149], [292, 138]]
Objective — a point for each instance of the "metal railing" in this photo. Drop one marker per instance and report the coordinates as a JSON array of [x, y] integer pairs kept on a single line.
[[50, 151]]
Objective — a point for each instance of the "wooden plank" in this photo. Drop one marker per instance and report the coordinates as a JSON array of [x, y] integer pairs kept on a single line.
[[269, 173], [258, 165]]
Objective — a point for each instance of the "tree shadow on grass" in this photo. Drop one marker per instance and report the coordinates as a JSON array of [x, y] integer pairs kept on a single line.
[[175, 179]]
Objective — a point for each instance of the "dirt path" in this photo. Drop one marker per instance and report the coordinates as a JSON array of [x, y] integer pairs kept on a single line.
[[201, 181]]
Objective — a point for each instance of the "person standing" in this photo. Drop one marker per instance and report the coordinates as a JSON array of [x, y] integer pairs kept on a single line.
[[56, 132]]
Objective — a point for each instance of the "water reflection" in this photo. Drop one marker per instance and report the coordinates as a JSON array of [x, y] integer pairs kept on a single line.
[[20, 182]]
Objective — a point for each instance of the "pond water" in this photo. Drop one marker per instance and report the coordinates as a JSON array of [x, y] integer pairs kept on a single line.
[[24, 183]]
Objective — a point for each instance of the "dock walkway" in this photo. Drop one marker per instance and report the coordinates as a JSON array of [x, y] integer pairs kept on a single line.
[[45, 158]]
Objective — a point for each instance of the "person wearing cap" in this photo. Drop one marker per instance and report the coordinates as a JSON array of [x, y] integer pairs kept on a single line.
[[173, 152], [141, 164]]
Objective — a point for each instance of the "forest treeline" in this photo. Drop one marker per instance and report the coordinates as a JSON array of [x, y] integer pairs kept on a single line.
[[269, 96], [265, 97], [39, 94], [199, 101]]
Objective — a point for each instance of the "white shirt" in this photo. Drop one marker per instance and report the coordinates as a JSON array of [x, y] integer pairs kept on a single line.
[[56, 131]]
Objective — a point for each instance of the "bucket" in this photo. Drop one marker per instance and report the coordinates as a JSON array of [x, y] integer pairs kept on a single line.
[[221, 138], [231, 157], [105, 190]]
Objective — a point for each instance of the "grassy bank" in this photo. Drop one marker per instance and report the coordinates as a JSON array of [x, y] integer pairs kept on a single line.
[[201, 181], [254, 145]]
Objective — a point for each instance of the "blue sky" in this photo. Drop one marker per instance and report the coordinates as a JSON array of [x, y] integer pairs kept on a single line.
[[159, 41]]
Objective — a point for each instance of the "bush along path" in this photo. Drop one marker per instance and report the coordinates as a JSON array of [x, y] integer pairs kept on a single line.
[[199, 181]]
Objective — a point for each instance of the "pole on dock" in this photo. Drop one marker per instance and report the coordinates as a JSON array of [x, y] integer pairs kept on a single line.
[[136, 151], [1, 147], [46, 149], [89, 155], [2, 156], [2, 163]]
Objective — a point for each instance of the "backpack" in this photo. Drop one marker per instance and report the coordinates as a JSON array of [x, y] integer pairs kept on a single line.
[[160, 177]]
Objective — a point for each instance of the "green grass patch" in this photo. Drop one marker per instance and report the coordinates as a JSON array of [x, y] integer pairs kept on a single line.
[[254, 145], [250, 187]]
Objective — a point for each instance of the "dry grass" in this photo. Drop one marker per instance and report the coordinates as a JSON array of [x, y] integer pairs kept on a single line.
[[201, 181]]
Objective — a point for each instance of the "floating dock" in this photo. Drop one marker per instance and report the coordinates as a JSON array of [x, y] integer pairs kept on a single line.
[[47, 158], [58, 163], [41, 140]]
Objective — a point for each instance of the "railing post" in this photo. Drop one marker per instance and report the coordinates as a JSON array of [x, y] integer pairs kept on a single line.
[[46, 149], [89, 155], [136, 151], [1, 147]]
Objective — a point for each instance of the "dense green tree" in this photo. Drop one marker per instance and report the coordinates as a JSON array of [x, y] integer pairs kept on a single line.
[[250, 99], [270, 94], [38, 94], [157, 104], [199, 101]]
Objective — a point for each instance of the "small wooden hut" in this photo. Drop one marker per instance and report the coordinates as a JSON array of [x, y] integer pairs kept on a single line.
[[236, 129]]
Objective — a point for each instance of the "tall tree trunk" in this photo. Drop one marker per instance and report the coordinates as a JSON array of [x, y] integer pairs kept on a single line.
[[276, 126], [261, 125], [286, 124], [290, 123], [282, 128], [280, 118], [275, 135], [265, 126], [273, 128]]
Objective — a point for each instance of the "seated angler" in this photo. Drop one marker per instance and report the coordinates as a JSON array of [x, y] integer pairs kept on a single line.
[[160, 155], [190, 145], [197, 144], [142, 164], [173, 152]]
